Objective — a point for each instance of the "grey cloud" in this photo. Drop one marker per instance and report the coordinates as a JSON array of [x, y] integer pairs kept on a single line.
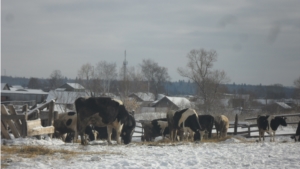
[[227, 20], [273, 33]]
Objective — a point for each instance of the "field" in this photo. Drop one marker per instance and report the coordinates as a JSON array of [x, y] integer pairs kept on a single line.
[[231, 152]]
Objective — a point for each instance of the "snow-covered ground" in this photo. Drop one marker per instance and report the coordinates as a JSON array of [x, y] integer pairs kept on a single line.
[[235, 152]]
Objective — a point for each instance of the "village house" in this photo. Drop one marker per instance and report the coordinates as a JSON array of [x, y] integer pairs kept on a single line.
[[66, 95], [75, 87], [171, 103], [18, 95]]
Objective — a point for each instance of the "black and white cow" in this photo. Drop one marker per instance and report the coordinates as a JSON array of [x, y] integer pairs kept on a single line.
[[222, 125], [297, 135], [172, 126], [207, 122], [66, 124], [98, 133], [155, 128], [104, 111], [269, 124], [187, 118]]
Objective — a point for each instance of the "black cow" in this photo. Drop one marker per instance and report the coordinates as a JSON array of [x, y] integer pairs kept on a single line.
[[269, 124], [297, 135], [104, 111], [187, 119], [155, 128], [207, 122]]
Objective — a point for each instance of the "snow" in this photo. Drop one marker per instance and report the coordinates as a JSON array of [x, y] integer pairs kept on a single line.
[[234, 152]]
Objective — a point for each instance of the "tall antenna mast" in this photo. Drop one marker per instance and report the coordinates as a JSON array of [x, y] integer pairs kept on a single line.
[[125, 66], [125, 73]]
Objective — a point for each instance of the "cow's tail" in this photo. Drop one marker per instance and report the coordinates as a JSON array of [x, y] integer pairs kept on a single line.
[[76, 105]]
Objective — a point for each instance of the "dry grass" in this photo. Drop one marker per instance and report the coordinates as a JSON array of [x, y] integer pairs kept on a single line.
[[8, 153], [167, 142]]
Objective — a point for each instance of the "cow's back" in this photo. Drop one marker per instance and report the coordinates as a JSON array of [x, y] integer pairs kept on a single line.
[[206, 121], [262, 122], [104, 106]]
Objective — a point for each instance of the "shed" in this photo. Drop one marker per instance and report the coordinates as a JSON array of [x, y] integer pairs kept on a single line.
[[72, 87], [173, 103], [142, 97], [64, 100]]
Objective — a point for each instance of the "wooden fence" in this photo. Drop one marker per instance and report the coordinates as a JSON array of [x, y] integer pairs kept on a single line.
[[35, 122], [249, 126], [235, 127]]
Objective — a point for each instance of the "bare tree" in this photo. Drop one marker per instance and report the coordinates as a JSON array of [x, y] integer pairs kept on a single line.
[[297, 90], [297, 83], [107, 73], [34, 83], [208, 81], [134, 81], [87, 77], [56, 79], [156, 76]]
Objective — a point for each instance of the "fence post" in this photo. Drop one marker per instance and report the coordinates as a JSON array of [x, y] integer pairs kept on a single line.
[[249, 132], [24, 125], [51, 113], [235, 124]]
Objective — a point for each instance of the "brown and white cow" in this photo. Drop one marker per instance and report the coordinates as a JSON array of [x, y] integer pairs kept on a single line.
[[222, 125], [104, 111]]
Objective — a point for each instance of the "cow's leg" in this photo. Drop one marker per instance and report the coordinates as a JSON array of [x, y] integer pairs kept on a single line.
[[174, 132], [175, 135], [172, 135], [63, 137], [209, 133], [83, 139], [109, 132], [118, 127], [75, 136], [273, 135]]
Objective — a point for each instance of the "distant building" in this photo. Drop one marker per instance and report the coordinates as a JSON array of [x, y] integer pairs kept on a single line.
[[4, 86], [277, 107], [18, 94], [75, 87], [64, 100], [172, 103]]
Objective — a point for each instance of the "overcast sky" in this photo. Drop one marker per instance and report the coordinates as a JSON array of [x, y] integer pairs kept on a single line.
[[258, 42]]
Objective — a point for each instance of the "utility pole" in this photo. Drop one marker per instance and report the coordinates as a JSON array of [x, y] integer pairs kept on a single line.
[[125, 74]]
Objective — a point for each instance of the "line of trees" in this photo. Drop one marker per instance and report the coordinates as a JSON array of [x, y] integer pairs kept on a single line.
[[102, 78]]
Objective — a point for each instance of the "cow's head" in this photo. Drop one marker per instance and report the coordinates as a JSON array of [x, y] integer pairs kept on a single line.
[[282, 120], [128, 129], [198, 136]]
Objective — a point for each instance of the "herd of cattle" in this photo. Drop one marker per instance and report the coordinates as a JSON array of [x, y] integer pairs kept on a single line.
[[106, 118]]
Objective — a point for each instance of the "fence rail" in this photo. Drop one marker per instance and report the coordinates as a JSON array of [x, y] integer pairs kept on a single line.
[[249, 126], [22, 125], [234, 126]]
